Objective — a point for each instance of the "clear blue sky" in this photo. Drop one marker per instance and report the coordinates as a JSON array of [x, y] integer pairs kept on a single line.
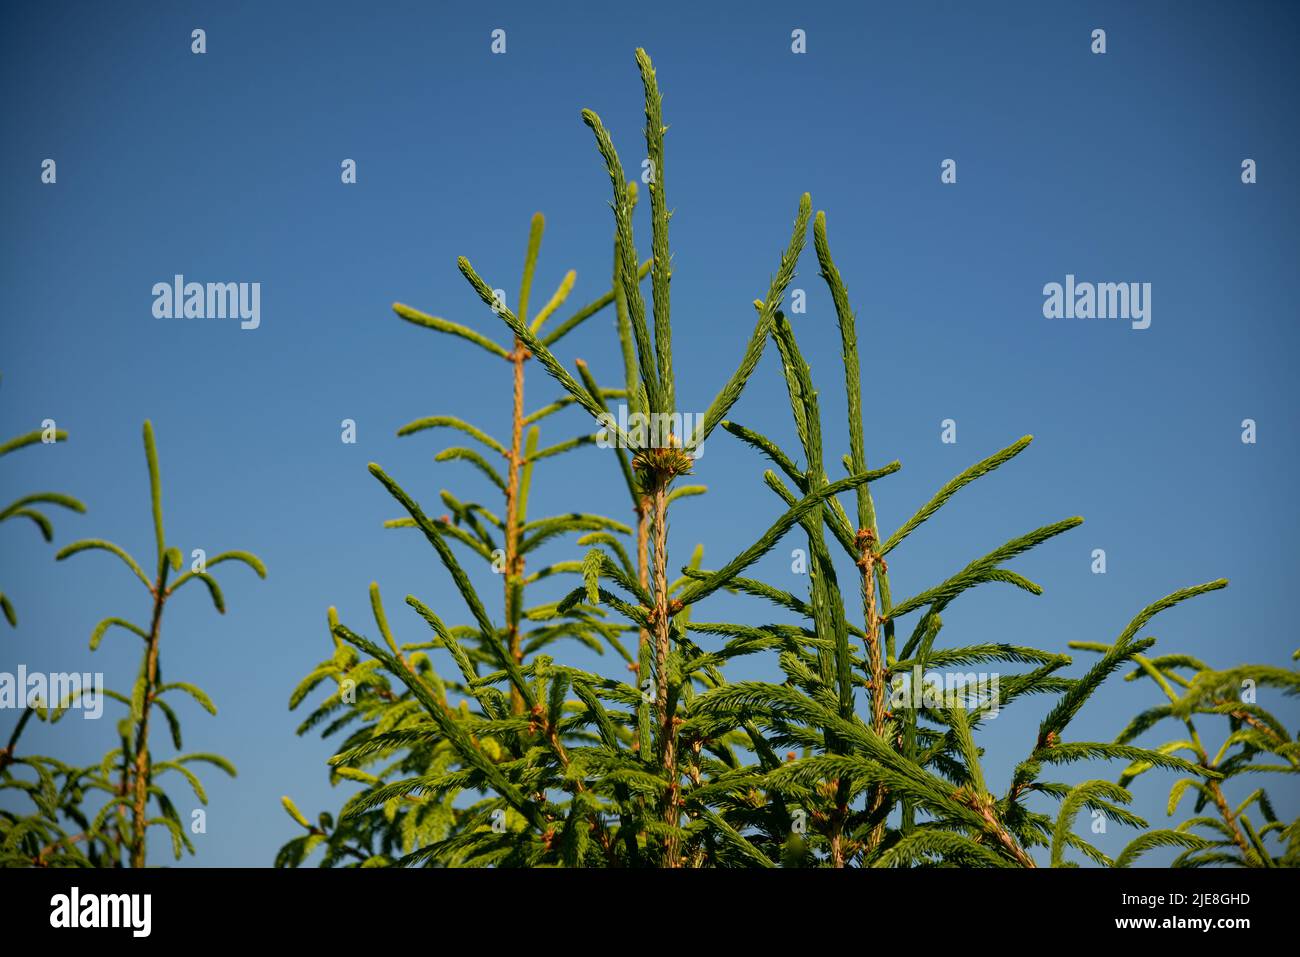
[[225, 167]]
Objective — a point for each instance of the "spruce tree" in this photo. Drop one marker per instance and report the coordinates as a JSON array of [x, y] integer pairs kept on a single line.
[[100, 815], [1256, 743], [535, 762]]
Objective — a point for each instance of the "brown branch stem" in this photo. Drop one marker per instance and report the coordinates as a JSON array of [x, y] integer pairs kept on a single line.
[[868, 562], [142, 774], [663, 627], [514, 563]]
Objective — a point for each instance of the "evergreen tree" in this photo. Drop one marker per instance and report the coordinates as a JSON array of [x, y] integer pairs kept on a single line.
[[100, 815], [576, 768], [1256, 743]]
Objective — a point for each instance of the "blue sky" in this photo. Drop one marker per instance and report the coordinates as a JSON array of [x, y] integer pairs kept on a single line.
[[1123, 167]]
